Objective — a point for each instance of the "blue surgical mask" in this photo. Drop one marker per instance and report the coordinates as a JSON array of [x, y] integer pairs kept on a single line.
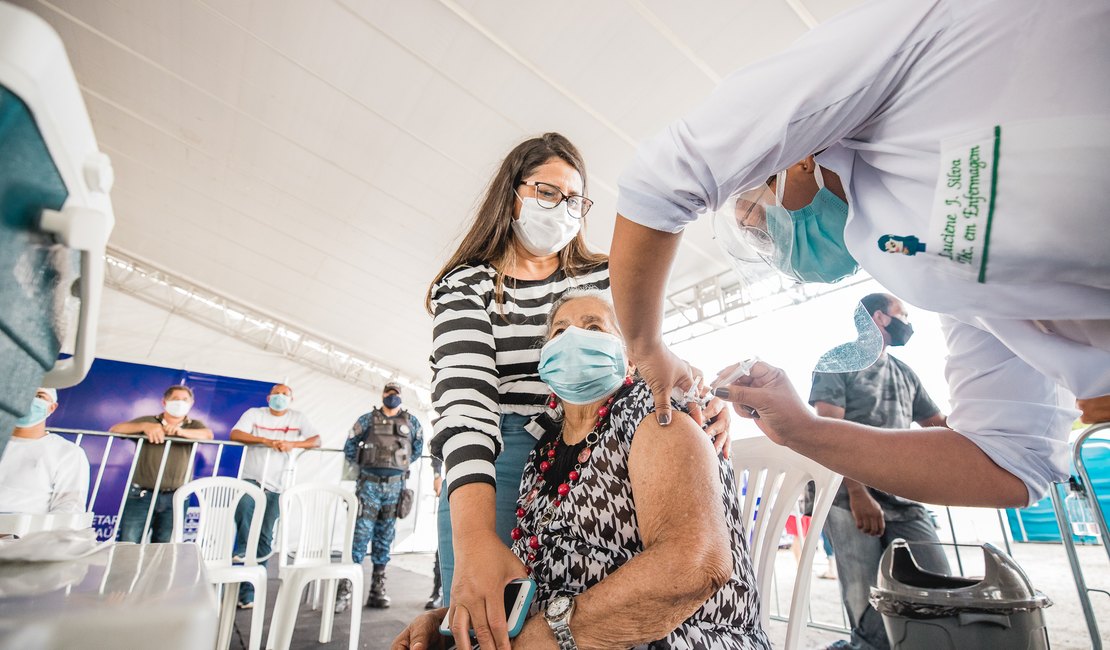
[[809, 243], [391, 401], [279, 401], [582, 366], [40, 408]]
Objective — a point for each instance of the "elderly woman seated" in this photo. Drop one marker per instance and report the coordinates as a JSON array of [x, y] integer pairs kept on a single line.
[[633, 527]]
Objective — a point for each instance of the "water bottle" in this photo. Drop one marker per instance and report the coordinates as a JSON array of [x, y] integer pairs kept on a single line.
[[1079, 511]]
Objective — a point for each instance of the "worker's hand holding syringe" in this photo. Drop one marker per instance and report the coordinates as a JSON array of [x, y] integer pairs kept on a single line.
[[763, 393]]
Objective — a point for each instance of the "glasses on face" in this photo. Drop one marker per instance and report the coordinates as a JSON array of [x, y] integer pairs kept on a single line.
[[751, 223], [549, 197]]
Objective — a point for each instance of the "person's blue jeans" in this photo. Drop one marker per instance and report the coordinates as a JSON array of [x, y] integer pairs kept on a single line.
[[133, 519], [516, 445], [826, 543], [857, 567], [243, 513]]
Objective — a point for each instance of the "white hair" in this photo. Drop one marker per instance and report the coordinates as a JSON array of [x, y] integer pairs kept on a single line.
[[587, 291]]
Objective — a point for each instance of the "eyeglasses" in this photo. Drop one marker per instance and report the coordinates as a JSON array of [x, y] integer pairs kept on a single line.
[[549, 197]]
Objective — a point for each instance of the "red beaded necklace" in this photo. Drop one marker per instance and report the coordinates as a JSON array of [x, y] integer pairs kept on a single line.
[[547, 453]]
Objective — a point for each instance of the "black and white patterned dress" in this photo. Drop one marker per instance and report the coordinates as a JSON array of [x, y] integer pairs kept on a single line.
[[594, 531]]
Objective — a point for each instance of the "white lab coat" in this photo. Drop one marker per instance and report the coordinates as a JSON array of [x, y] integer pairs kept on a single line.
[[883, 91]]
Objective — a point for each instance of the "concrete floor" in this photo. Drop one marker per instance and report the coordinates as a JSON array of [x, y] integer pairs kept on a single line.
[[409, 583]]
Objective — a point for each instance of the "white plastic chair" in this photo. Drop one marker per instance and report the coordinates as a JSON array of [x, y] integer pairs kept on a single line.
[[310, 511], [218, 497], [776, 477]]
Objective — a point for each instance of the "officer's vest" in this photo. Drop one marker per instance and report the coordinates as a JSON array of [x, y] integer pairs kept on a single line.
[[388, 442]]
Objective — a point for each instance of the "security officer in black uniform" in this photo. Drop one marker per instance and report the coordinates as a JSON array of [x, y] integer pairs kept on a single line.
[[382, 443]]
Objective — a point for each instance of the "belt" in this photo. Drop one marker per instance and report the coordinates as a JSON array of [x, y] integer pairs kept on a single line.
[[374, 478], [145, 490]]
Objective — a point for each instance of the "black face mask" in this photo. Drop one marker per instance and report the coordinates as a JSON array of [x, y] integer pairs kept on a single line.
[[899, 330]]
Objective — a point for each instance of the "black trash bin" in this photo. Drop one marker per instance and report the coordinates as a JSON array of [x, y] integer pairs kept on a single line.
[[924, 610]]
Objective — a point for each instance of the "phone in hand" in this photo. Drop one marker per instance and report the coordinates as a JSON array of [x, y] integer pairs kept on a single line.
[[518, 598]]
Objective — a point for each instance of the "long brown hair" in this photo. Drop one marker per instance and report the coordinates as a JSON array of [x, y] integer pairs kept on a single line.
[[490, 236]]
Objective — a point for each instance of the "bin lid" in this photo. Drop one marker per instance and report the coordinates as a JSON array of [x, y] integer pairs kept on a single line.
[[1003, 585]]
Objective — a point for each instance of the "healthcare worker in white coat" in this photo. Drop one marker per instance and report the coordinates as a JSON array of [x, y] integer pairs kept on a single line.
[[972, 142]]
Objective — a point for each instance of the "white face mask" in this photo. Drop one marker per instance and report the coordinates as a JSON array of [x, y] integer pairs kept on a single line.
[[178, 407], [544, 232]]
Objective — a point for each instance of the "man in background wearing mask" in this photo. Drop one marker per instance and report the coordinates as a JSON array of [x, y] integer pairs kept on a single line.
[[863, 520], [282, 430], [383, 443], [42, 472], [174, 421]]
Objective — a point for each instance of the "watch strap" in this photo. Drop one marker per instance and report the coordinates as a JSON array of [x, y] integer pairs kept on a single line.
[[561, 628], [563, 636]]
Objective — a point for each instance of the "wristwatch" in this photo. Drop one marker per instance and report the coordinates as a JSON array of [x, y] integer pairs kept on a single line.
[[558, 615]]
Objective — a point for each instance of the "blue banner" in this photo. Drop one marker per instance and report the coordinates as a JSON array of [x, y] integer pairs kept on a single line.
[[116, 391]]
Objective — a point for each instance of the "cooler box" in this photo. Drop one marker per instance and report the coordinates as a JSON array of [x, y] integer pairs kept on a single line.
[[55, 216]]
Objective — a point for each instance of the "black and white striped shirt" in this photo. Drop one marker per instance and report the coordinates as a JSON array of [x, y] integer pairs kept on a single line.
[[485, 360]]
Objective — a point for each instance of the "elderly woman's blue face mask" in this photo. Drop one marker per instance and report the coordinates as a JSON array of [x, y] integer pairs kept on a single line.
[[582, 366]]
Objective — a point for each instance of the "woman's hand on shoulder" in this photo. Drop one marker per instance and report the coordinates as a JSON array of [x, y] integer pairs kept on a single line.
[[663, 372], [718, 419]]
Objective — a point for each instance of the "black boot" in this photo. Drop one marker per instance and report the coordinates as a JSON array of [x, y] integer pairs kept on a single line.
[[377, 598], [343, 596], [435, 601]]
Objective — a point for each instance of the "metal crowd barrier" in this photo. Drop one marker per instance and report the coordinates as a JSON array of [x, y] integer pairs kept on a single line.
[[1066, 531], [140, 440]]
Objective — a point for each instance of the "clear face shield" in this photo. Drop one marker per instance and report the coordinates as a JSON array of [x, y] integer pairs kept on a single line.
[[756, 232]]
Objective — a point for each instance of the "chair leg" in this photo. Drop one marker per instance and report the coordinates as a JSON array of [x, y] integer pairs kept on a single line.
[[258, 614], [356, 610], [227, 614], [327, 618], [284, 618]]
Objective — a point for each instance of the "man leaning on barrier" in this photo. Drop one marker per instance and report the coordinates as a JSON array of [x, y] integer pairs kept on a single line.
[[173, 421], [383, 444], [281, 429]]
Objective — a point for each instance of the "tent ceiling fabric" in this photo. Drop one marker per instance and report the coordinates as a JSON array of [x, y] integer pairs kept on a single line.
[[318, 159]]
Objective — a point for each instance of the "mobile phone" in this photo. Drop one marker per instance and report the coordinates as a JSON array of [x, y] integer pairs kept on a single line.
[[518, 598]]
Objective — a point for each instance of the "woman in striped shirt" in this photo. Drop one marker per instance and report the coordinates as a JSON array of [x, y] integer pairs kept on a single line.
[[524, 249]]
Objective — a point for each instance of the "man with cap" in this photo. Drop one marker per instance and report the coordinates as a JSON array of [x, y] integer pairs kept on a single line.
[[42, 472], [383, 444]]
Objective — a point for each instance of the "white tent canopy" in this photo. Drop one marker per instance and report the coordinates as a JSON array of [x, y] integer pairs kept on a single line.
[[317, 160]]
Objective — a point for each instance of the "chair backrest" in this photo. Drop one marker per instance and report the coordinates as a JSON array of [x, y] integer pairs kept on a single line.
[[773, 477], [219, 497], [311, 515]]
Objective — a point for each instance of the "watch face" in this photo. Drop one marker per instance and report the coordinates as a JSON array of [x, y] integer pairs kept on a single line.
[[558, 607]]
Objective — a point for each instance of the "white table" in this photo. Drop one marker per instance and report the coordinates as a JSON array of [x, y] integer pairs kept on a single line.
[[20, 523], [128, 596]]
